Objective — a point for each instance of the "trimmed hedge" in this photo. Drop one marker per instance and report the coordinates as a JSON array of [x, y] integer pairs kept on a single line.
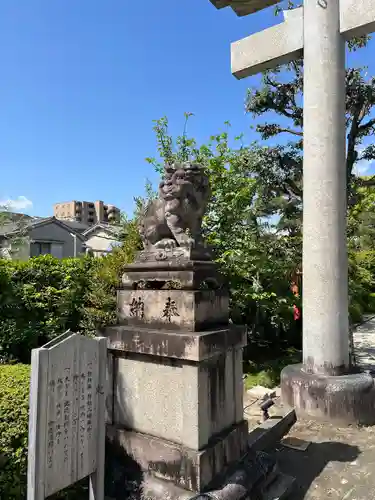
[[14, 422], [39, 299], [14, 404], [42, 297]]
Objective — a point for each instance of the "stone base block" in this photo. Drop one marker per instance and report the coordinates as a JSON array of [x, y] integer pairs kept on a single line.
[[181, 274], [186, 310], [343, 400], [190, 469], [255, 476], [177, 400], [192, 346]]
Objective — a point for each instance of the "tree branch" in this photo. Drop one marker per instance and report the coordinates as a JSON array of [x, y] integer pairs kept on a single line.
[[367, 125], [291, 131], [366, 182]]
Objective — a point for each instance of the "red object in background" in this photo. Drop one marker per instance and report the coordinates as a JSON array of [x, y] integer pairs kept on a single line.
[[296, 313]]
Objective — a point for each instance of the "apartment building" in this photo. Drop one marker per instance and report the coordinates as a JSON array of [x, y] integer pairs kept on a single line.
[[87, 212]]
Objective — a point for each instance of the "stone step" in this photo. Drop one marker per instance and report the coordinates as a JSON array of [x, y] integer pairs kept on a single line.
[[280, 488]]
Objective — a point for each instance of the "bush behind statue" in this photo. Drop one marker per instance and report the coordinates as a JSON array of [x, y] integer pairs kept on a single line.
[[39, 299], [44, 296]]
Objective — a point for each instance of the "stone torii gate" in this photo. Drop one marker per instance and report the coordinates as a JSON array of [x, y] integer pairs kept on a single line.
[[322, 387]]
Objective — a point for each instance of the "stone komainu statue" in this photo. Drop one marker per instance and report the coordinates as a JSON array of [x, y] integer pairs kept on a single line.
[[174, 219]]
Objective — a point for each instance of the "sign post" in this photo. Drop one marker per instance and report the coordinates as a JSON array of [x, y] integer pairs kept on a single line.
[[67, 416]]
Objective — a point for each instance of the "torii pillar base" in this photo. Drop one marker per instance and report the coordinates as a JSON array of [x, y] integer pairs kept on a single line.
[[343, 400]]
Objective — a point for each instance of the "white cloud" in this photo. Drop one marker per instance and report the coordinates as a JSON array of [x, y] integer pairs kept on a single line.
[[20, 203]]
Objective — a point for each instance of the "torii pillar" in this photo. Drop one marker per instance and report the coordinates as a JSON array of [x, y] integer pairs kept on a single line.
[[324, 386]]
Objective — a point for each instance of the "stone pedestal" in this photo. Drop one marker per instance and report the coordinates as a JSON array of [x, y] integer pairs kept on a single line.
[[342, 399], [176, 406]]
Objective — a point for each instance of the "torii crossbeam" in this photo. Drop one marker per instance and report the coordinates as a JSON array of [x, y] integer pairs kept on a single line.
[[322, 386]]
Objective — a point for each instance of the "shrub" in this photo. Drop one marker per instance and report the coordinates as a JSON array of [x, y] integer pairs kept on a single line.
[[103, 280], [267, 373], [14, 402], [44, 296], [39, 299], [361, 284], [14, 421]]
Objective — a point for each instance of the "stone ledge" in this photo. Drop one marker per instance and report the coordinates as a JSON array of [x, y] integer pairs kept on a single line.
[[271, 431], [256, 476], [192, 469], [343, 400], [188, 274], [173, 310], [191, 346]]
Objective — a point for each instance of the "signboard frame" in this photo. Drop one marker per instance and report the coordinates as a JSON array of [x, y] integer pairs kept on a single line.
[[67, 415]]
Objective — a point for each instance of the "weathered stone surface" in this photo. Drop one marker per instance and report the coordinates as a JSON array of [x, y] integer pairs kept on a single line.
[[192, 346], [188, 310], [192, 469], [67, 415], [345, 400], [283, 42], [177, 363], [172, 274], [184, 402], [172, 223], [357, 18], [266, 49], [255, 476]]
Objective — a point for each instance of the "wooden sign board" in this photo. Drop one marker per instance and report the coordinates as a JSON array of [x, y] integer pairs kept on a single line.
[[67, 415]]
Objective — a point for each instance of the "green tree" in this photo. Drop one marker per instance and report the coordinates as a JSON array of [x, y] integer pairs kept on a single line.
[[281, 94], [257, 262], [361, 220]]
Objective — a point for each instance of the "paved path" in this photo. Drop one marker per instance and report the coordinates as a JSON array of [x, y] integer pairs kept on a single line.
[[364, 344], [337, 465]]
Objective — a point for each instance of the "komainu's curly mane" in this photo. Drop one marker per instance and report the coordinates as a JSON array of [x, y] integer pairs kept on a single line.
[[175, 218]]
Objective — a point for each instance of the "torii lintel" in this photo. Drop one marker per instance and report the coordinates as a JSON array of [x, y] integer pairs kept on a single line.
[[244, 7], [283, 43]]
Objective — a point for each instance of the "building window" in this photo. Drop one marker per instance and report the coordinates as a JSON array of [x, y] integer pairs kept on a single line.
[[40, 249]]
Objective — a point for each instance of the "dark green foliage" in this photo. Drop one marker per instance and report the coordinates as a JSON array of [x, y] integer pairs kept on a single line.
[[257, 262], [14, 422], [39, 299], [267, 372], [14, 402], [99, 300], [254, 219], [43, 296]]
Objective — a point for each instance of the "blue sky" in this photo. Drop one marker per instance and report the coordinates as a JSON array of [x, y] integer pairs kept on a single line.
[[83, 80]]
